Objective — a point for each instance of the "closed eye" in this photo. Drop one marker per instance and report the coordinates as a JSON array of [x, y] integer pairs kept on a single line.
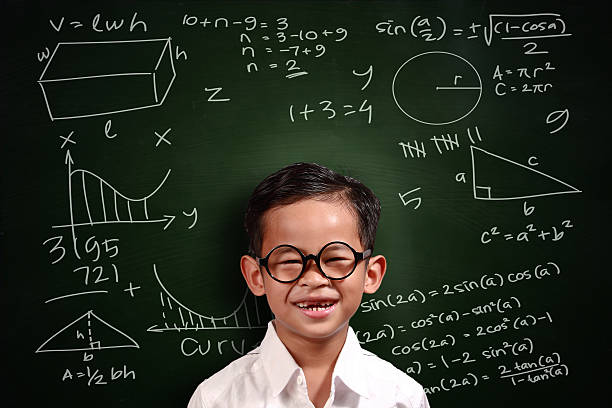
[[338, 259]]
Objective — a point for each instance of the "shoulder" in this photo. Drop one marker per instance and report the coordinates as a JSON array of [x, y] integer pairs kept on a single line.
[[389, 381], [229, 383]]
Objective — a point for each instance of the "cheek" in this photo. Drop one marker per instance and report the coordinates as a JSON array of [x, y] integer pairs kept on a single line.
[[353, 290], [273, 303], [275, 293], [356, 281]]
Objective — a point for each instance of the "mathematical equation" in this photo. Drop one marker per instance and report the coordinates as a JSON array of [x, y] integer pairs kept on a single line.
[[280, 46], [98, 377], [547, 367], [555, 233], [486, 282], [500, 26]]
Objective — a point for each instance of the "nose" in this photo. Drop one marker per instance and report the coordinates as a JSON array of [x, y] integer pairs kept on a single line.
[[312, 276]]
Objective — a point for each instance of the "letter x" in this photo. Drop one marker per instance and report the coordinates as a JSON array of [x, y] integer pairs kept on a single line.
[[67, 139], [162, 137]]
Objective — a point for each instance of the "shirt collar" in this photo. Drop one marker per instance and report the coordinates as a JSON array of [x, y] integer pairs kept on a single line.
[[280, 366], [349, 368]]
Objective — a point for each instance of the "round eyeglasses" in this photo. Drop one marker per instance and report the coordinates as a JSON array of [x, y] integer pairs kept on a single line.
[[336, 260]]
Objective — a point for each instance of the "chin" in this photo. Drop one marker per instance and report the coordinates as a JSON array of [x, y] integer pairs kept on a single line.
[[322, 332]]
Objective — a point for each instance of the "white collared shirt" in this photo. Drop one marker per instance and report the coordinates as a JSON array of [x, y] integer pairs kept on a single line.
[[269, 377]]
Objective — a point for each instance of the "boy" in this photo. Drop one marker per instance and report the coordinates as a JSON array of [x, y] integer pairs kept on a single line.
[[311, 234]]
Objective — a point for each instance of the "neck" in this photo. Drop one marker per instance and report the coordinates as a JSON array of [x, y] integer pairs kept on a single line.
[[312, 353]]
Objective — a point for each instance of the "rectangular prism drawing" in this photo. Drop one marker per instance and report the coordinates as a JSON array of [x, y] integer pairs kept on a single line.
[[85, 79]]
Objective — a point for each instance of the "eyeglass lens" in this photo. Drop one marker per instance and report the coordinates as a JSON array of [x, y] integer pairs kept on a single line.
[[337, 260]]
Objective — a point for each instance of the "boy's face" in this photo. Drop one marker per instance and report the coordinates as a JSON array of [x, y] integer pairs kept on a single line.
[[309, 225]]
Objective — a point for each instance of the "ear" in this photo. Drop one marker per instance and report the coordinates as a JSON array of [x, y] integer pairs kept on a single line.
[[377, 265], [252, 275]]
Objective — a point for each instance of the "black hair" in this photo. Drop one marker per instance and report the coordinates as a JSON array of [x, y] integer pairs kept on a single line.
[[302, 181]]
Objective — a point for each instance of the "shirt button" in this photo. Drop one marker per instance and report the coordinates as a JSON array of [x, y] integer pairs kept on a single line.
[[300, 380]]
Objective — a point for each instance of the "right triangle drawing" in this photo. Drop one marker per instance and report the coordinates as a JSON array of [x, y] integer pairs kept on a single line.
[[497, 178]]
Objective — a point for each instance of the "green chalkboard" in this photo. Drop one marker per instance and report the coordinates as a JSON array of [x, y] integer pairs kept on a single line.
[[134, 132]]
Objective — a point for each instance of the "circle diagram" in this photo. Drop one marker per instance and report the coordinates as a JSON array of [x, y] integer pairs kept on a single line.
[[437, 88]]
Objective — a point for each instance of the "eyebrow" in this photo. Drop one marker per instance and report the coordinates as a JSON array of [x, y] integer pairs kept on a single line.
[[314, 253], [286, 249]]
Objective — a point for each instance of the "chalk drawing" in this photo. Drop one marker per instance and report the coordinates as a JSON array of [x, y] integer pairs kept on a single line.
[[251, 313], [524, 182], [87, 333], [84, 79], [436, 88]]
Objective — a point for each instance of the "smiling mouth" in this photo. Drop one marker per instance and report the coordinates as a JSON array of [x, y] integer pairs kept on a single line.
[[315, 307]]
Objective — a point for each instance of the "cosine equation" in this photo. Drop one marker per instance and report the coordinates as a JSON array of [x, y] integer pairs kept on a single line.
[[500, 26], [486, 282]]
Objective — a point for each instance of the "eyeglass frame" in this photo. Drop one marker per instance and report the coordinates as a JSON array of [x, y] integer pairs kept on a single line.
[[359, 256]]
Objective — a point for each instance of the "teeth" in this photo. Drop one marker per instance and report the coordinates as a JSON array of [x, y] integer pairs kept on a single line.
[[315, 307]]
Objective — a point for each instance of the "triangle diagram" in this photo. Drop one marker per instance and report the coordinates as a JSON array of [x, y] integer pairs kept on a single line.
[[87, 333], [497, 178]]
